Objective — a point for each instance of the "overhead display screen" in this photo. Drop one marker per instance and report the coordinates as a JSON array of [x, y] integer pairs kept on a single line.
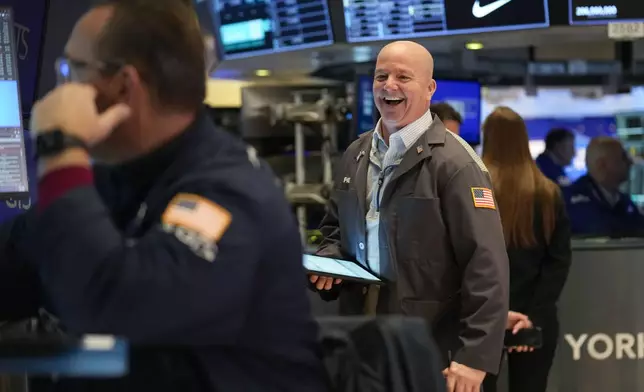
[[605, 11], [255, 27], [373, 20]]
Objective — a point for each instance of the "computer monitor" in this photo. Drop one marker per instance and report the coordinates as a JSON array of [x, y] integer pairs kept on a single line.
[[250, 28], [14, 180], [463, 95], [584, 12], [584, 128], [392, 20]]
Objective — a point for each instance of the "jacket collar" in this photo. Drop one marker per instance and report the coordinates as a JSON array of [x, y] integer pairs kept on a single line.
[[418, 152]]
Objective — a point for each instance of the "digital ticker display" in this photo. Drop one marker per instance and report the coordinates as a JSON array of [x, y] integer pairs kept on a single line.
[[255, 27], [374, 20], [605, 11]]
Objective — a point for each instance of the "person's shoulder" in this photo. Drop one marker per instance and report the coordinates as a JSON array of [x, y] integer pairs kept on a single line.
[[456, 154], [358, 144], [235, 174], [580, 185], [578, 192], [542, 158]]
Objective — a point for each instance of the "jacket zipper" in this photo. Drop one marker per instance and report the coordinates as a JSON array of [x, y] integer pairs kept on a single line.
[[381, 180]]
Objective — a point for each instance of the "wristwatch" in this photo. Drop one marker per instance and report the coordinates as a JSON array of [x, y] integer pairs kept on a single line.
[[55, 142]]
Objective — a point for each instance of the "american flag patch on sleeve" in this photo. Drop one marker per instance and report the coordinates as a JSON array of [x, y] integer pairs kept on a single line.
[[483, 198], [197, 214]]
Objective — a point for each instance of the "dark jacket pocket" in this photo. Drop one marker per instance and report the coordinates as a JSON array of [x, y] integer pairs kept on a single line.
[[421, 232], [428, 310], [442, 320]]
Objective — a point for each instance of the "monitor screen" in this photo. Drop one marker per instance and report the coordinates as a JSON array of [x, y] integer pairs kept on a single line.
[[605, 11], [584, 129], [28, 18], [464, 96], [13, 166], [248, 28], [374, 20]]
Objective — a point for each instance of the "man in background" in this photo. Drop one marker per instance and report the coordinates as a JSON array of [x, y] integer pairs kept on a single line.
[[559, 152], [448, 115], [413, 204], [596, 205]]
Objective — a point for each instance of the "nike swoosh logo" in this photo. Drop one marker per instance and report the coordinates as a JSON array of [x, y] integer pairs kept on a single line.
[[482, 11]]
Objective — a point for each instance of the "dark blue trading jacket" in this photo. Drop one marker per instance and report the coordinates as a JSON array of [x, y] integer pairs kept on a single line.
[[552, 170], [591, 214], [230, 317]]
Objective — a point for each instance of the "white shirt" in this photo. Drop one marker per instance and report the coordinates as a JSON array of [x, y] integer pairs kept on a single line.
[[383, 161]]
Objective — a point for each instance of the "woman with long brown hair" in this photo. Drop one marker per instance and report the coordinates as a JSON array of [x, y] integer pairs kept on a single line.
[[537, 236]]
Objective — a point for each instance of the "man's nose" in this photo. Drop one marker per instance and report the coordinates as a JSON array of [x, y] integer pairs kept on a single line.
[[391, 85]]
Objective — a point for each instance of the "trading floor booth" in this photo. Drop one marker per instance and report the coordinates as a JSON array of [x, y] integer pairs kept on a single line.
[[601, 311], [602, 319]]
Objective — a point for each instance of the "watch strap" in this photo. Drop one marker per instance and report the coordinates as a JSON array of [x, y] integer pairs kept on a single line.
[[56, 142]]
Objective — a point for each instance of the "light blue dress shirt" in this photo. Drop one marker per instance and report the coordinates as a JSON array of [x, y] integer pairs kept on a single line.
[[383, 161]]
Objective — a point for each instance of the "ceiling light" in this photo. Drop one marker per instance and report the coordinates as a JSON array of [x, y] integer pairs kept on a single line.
[[474, 45], [262, 72], [362, 54]]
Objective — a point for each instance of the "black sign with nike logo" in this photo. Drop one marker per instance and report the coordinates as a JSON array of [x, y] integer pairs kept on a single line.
[[368, 20]]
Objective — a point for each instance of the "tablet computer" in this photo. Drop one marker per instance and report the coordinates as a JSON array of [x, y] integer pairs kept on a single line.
[[338, 268]]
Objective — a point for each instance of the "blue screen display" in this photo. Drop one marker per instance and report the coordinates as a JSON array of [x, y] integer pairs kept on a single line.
[[251, 28], [29, 17], [584, 129], [464, 96], [10, 115]]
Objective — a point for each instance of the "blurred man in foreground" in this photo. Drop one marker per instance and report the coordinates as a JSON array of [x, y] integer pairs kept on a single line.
[[560, 150], [595, 204], [448, 115], [413, 204], [178, 240]]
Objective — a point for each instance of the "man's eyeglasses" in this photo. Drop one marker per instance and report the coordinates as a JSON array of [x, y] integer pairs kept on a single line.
[[68, 70]]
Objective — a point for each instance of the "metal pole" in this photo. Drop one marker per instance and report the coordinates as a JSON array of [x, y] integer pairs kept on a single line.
[[327, 129], [300, 170]]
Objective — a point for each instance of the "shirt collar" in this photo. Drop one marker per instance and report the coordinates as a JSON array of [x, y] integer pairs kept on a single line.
[[408, 134], [611, 197]]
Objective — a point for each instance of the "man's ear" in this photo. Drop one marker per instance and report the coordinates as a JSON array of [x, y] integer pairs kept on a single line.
[[130, 82], [431, 90]]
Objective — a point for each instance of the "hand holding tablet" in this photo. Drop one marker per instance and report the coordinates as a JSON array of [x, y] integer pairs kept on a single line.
[[324, 282], [337, 270]]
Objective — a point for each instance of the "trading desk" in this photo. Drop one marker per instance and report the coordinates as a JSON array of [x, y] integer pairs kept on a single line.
[[31, 355]]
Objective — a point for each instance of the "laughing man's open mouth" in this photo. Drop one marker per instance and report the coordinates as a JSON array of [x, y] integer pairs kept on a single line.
[[393, 101]]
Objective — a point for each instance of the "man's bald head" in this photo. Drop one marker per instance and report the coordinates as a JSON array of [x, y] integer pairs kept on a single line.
[[607, 161], [86, 32], [413, 51], [403, 84]]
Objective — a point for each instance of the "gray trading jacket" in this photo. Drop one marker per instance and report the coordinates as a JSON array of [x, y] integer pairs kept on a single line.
[[449, 256]]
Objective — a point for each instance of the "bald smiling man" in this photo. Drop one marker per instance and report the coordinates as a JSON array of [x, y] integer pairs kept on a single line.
[[413, 203]]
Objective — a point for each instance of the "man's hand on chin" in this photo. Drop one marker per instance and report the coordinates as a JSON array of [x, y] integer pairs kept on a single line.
[[461, 378], [71, 108]]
